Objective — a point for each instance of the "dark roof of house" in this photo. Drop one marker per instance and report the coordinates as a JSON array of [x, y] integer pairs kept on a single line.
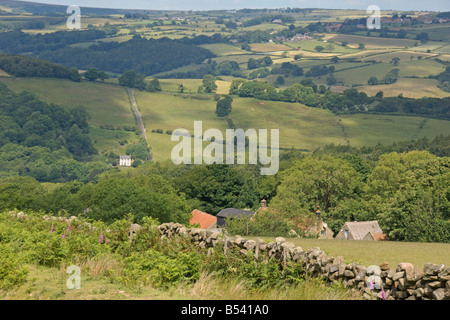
[[234, 213]]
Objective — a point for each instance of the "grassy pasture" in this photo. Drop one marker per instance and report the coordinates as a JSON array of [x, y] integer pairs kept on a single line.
[[106, 141], [370, 42], [191, 85], [363, 54], [106, 104], [269, 47], [239, 58], [444, 49], [300, 127], [409, 87], [402, 55], [409, 68], [223, 49], [370, 129], [362, 72], [429, 45], [309, 45], [445, 57], [312, 55], [436, 32], [368, 252]]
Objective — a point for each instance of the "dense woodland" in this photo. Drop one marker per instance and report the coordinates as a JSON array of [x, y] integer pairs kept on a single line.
[[44, 141], [149, 56]]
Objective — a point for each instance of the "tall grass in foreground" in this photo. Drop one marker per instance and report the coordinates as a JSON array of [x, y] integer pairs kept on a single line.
[[211, 287]]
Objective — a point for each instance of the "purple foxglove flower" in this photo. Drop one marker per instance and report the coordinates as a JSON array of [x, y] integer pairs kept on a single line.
[[64, 235], [68, 229], [383, 294], [101, 237], [371, 285], [51, 230]]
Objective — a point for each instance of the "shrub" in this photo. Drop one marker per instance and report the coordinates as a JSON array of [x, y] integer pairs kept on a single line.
[[12, 271]]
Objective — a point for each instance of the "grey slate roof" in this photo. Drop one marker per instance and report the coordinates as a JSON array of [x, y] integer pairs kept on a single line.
[[359, 230], [233, 213]]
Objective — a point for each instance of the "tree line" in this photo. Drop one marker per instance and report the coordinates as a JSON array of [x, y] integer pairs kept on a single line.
[[24, 66]]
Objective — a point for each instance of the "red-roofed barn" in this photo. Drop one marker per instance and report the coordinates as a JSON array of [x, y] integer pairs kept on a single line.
[[205, 220]]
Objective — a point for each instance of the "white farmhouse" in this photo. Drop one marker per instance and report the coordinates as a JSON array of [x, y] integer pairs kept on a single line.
[[125, 161]]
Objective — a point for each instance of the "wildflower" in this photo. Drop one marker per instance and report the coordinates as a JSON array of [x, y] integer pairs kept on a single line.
[[68, 229], [64, 235], [383, 294], [101, 237], [371, 285], [51, 230]]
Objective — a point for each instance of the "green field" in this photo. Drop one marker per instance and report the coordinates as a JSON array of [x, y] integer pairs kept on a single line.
[[309, 45], [408, 87], [370, 42], [300, 127], [378, 252], [107, 104], [361, 72], [402, 55], [223, 49]]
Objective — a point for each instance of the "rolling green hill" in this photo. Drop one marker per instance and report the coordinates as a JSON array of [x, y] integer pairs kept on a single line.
[[301, 127]]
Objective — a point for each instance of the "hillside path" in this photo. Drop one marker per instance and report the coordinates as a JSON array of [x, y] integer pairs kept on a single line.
[[138, 117]]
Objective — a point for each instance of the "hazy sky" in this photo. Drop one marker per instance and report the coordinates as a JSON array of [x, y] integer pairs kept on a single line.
[[432, 5]]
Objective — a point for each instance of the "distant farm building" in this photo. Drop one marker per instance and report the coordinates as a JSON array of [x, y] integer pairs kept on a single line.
[[125, 161], [232, 213], [364, 230], [321, 230], [205, 220]]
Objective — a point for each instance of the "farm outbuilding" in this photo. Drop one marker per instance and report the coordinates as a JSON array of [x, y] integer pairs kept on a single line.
[[205, 220], [364, 230], [232, 213]]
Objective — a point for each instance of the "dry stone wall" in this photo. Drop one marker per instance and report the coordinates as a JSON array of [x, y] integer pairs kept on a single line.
[[404, 282]]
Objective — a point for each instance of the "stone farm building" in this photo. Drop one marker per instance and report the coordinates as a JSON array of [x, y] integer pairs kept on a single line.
[[364, 230], [205, 220], [231, 213]]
